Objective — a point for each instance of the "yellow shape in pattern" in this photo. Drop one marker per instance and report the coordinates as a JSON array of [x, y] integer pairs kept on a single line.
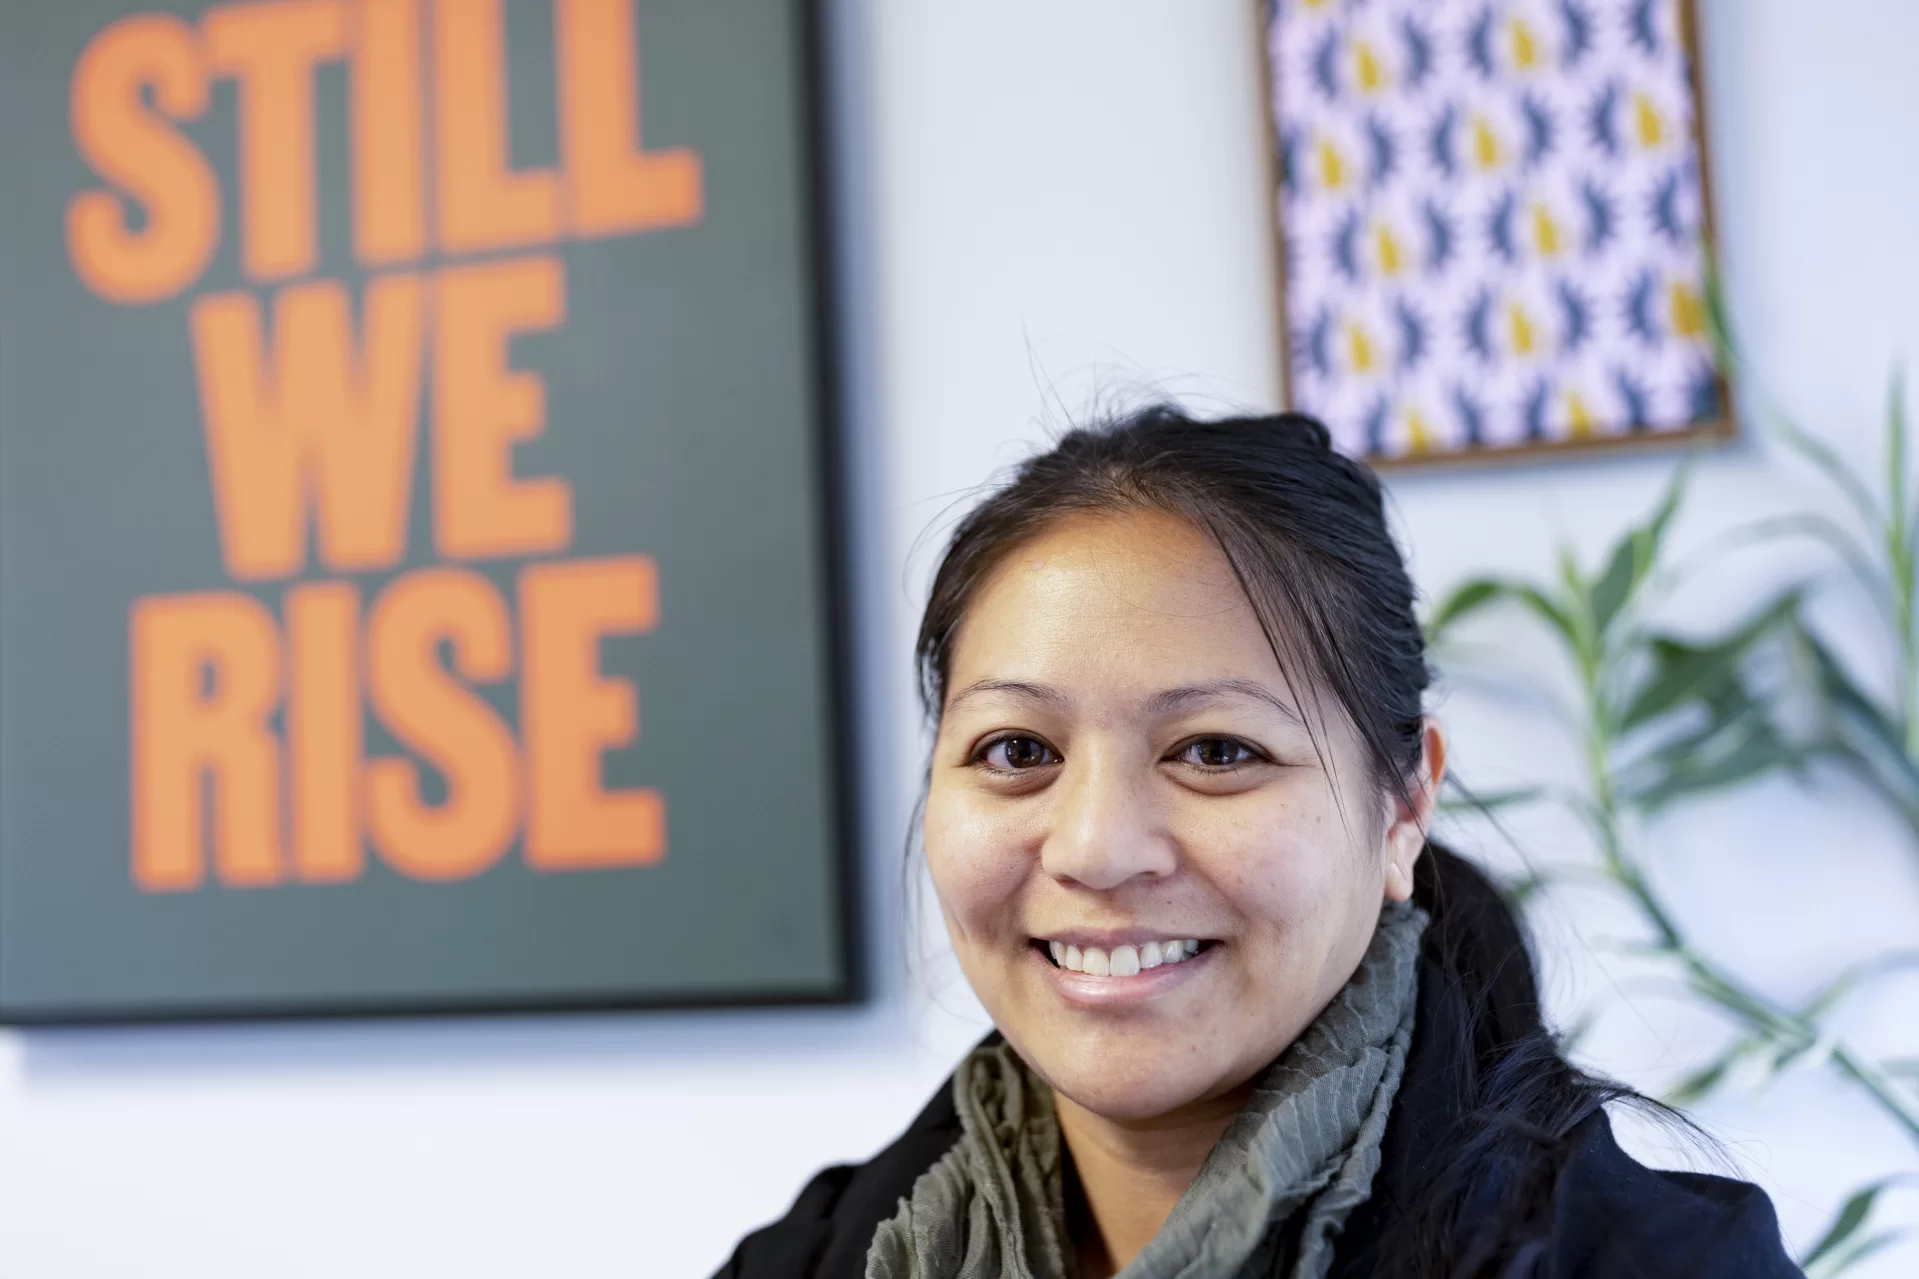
[[1546, 235], [1332, 166], [1647, 123], [1686, 311], [1419, 436], [1525, 333], [1486, 148], [1360, 348], [1392, 258], [1525, 45], [1367, 68], [1579, 418]]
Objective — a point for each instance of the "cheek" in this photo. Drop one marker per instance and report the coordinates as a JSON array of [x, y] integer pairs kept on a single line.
[[977, 854], [1289, 866]]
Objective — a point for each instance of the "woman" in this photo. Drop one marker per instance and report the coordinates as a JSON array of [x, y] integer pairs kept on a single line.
[[1250, 1021]]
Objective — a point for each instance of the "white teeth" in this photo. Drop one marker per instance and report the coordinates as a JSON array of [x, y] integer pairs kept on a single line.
[[1122, 961]]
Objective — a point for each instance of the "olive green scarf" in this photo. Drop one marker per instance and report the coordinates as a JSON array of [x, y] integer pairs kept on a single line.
[[1269, 1200]]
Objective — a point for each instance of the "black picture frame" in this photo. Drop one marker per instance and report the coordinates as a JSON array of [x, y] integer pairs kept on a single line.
[[826, 474]]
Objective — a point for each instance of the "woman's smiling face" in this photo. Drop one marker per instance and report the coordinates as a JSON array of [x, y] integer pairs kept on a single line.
[[1121, 766]]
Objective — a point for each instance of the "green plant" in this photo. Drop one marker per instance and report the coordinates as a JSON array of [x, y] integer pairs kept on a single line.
[[1877, 737], [1841, 1247], [1661, 718]]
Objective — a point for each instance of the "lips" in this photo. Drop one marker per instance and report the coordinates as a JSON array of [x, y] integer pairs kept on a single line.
[[1114, 974]]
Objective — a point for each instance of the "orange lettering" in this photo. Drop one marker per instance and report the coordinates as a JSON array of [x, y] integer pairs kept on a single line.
[[205, 676], [570, 716], [138, 152], [612, 186], [481, 408], [324, 738], [483, 202], [442, 721], [329, 425], [271, 48], [389, 207]]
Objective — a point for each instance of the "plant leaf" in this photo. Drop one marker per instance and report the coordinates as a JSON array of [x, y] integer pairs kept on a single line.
[[1735, 742], [1896, 443], [1615, 585], [1472, 596], [1820, 528], [1465, 599], [1861, 733], [1815, 1050], [1635, 553], [1700, 1083], [1684, 672], [1725, 347], [1852, 1215], [1843, 477], [1488, 801], [1715, 767], [1571, 581], [1845, 1261], [1731, 714]]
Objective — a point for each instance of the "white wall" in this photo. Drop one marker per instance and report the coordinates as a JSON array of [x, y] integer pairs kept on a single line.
[[1050, 202]]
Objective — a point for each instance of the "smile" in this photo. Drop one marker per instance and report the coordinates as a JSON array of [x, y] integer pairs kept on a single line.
[[1121, 961]]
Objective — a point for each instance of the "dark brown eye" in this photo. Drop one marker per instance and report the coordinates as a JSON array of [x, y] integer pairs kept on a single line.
[[1015, 753], [1217, 752]]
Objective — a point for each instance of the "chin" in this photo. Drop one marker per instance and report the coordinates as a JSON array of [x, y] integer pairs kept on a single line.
[[1122, 1089]]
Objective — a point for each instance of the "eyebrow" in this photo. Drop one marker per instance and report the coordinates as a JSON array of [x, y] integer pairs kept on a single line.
[[1176, 699], [1167, 700], [1010, 688]]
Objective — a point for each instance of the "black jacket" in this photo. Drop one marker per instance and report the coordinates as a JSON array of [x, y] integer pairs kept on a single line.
[[1611, 1217]]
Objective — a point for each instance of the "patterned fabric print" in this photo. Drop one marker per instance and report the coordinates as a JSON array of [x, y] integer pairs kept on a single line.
[[1493, 221]]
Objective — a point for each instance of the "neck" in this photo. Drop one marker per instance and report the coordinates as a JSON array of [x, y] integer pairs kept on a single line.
[[1129, 1174]]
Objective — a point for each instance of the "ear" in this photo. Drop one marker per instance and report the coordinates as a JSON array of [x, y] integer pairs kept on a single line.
[[1406, 834]]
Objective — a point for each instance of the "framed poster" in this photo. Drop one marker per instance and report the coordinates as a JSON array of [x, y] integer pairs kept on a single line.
[[1494, 224], [417, 553]]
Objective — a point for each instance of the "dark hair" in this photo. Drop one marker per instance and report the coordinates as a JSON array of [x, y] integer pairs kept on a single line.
[[1304, 529]]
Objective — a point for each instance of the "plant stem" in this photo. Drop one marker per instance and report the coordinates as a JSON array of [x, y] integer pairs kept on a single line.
[[1599, 772], [1871, 1076], [1901, 572]]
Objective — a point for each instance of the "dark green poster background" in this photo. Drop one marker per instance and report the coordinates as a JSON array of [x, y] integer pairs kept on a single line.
[[415, 584]]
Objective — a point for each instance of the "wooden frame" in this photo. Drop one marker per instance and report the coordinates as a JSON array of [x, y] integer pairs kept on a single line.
[[1462, 20]]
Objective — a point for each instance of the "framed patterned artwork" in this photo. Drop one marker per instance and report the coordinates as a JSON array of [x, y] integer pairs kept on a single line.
[[1495, 225]]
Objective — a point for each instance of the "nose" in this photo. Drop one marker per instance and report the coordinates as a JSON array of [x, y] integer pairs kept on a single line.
[[1104, 829]]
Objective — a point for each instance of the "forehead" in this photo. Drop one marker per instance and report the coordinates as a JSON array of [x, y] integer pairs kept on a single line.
[[1127, 602]]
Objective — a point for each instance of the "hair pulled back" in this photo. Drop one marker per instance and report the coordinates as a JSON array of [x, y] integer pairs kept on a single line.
[[1304, 530]]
